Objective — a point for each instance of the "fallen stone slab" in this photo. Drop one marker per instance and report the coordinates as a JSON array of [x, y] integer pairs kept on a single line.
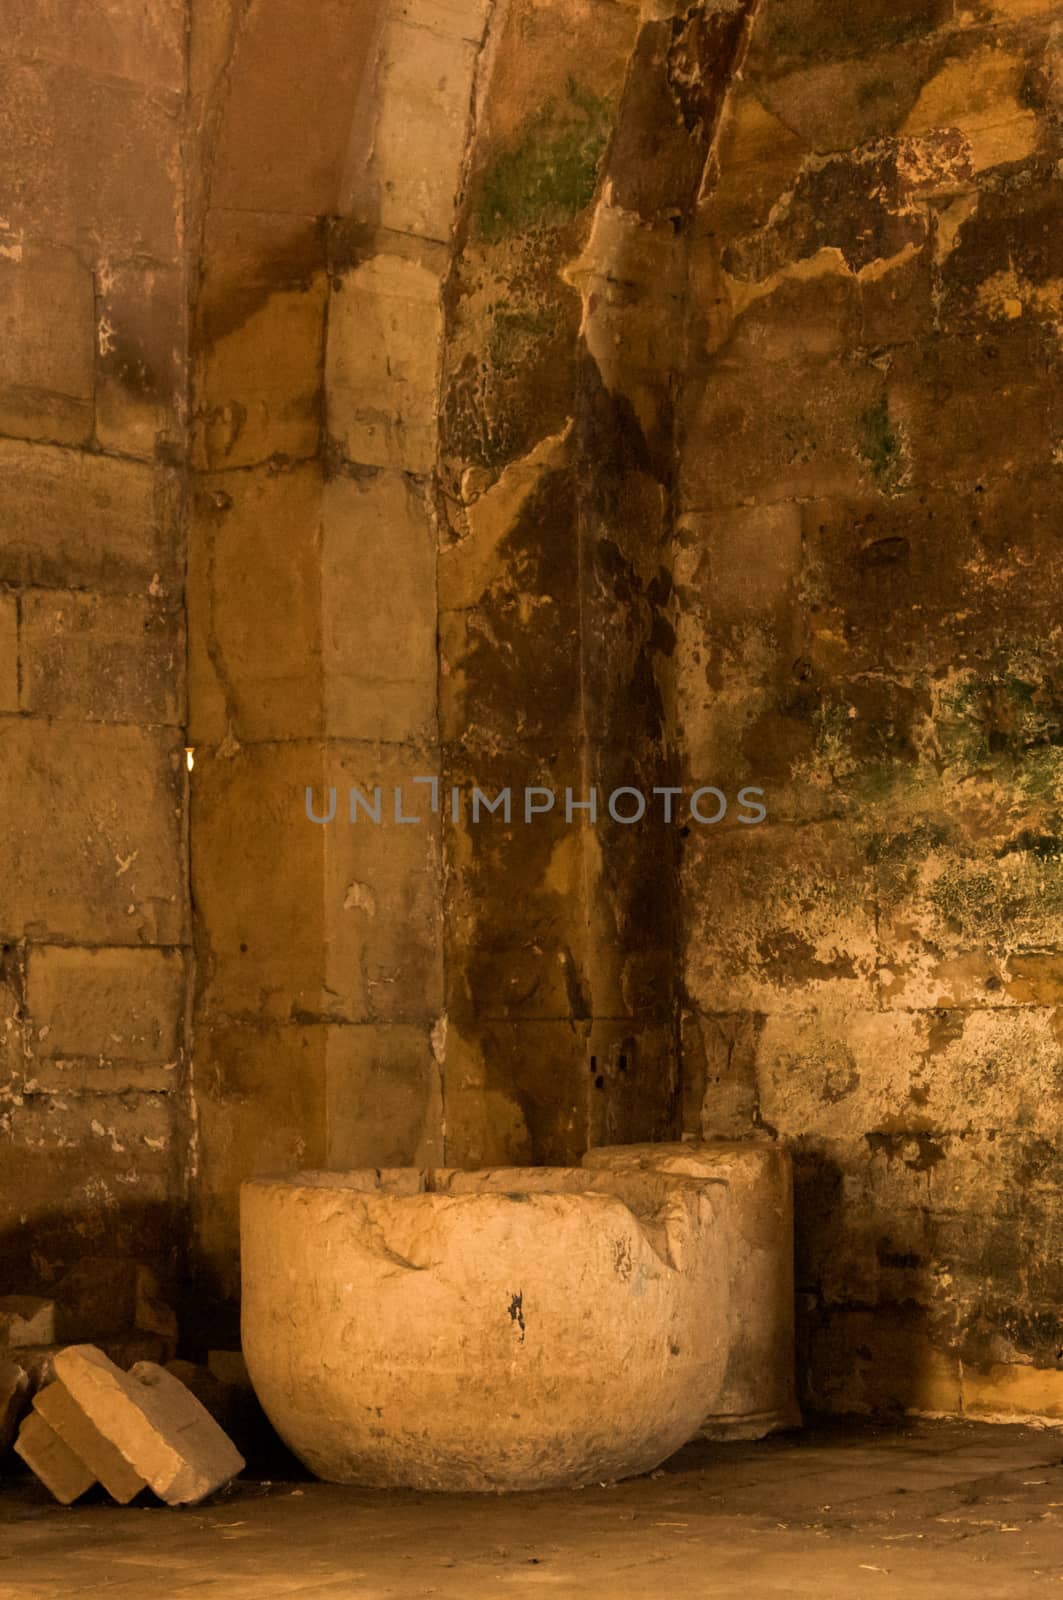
[[155, 1422], [26, 1319], [53, 1462], [66, 1419], [38, 1360], [14, 1401]]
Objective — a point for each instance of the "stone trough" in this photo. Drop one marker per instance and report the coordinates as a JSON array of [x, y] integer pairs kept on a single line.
[[515, 1328]]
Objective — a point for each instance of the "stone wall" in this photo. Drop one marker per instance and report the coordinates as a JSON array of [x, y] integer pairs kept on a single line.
[[564, 394], [868, 569], [94, 908]]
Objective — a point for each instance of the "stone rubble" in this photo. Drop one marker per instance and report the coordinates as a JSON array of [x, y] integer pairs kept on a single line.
[[26, 1319], [76, 1418], [53, 1461], [154, 1421]]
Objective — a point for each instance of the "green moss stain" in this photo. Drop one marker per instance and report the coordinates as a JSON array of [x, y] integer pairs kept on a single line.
[[551, 174], [515, 332], [881, 446]]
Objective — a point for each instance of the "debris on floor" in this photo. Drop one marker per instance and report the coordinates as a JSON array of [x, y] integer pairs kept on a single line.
[[126, 1430]]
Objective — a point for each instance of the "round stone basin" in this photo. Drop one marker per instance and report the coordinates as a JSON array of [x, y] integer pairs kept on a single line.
[[758, 1393], [517, 1328]]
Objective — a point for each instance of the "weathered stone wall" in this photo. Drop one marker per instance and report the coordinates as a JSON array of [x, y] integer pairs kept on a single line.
[[868, 571], [579, 396], [565, 327], [92, 814]]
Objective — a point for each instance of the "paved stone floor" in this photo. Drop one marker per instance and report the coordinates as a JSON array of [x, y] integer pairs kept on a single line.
[[927, 1510]]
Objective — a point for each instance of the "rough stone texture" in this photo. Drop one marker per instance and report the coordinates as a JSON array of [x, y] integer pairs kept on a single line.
[[93, 294], [69, 1423], [59, 1468], [155, 1423], [755, 1213], [432, 1331], [581, 396], [866, 563]]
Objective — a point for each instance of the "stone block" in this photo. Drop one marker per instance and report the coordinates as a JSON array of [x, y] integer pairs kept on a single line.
[[145, 46], [47, 320], [424, 84], [38, 1360], [459, 19], [108, 174], [261, 1108], [259, 386], [254, 664], [255, 856], [378, 610], [70, 1424], [86, 520], [105, 658], [270, 155], [383, 1097], [782, 914], [26, 1319], [92, 833], [119, 1004], [384, 327], [103, 1297], [229, 1366], [383, 958], [157, 1425], [8, 652], [14, 1401], [91, 1174], [141, 334], [58, 1467]]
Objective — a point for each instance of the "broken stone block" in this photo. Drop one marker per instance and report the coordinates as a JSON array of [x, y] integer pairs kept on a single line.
[[26, 1319], [102, 1297], [154, 1421], [229, 1366], [14, 1401], [67, 1420], [57, 1466]]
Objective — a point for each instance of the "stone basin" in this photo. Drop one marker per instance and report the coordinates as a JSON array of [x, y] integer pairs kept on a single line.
[[517, 1328], [757, 1394]]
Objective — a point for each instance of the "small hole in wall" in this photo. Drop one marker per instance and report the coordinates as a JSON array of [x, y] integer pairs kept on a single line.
[[623, 1063], [243, 949], [594, 1065], [599, 1082]]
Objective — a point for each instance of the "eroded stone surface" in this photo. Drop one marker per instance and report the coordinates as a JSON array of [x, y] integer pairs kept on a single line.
[[755, 1213], [511, 1329]]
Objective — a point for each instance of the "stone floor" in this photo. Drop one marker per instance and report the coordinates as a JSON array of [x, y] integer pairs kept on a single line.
[[928, 1509]]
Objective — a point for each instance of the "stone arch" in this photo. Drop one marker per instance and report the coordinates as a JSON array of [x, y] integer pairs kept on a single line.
[[355, 1001]]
